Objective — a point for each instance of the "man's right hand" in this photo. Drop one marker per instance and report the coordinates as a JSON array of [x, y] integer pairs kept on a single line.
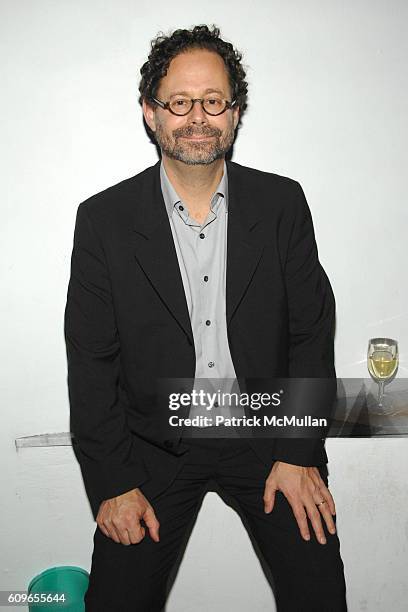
[[119, 518]]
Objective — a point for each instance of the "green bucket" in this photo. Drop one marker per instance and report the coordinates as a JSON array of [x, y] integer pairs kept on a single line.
[[58, 588]]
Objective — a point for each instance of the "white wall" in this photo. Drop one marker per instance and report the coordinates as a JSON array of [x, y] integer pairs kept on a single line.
[[328, 87]]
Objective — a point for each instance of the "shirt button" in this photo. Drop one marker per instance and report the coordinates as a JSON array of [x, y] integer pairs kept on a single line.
[[208, 322], [206, 278], [181, 207], [202, 236], [216, 404], [211, 364]]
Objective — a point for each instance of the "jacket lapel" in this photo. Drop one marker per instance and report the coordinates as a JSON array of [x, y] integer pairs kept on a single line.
[[155, 251], [244, 248]]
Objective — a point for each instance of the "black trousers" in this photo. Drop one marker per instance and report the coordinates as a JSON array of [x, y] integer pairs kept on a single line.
[[307, 576]]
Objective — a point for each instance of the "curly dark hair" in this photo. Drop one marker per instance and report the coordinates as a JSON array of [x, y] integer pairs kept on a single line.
[[165, 48]]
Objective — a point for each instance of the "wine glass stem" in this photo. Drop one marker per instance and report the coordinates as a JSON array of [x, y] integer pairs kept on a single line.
[[380, 392]]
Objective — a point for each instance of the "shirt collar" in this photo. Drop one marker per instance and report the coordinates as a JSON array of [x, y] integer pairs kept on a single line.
[[171, 198]]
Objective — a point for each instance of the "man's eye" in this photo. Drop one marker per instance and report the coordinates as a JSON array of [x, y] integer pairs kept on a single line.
[[213, 101], [180, 102]]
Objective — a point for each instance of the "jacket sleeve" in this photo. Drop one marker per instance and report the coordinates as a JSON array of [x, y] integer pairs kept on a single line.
[[104, 445], [311, 307]]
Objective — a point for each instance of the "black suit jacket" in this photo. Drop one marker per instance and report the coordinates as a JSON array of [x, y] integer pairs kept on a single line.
[[127, 322]]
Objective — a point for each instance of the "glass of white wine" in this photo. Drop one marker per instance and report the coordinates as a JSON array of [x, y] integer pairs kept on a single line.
[[382, 362]]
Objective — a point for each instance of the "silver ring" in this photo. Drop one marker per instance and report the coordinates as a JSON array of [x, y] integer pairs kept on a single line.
[[322, 502]]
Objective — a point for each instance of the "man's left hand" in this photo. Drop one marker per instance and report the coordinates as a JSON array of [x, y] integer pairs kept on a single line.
[[304, 488]]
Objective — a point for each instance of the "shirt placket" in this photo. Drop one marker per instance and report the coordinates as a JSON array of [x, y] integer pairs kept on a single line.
[[202, 276]]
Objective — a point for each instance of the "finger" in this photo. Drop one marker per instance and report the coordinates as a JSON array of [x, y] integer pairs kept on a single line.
[[103, 529], [100, 518], [269, 498], [319, 482], [136, 532], [315, 519], [329, 499], [301, 518], [112, 532], [152, 523], [121, 532], [328, 518], [327, 496], [105, 524]]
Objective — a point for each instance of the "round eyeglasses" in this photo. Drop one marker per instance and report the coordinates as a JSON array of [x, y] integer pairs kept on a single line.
[[212, 105]]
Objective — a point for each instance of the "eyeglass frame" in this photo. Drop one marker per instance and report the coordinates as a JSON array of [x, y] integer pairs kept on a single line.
[[166, 106]]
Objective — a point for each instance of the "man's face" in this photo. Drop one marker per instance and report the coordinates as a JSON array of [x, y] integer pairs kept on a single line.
[[196, 138]]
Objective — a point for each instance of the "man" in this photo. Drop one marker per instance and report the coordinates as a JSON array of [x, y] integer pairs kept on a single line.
[[196, 268]]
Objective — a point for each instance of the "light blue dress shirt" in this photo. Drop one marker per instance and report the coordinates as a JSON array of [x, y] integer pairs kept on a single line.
[[202, 254]]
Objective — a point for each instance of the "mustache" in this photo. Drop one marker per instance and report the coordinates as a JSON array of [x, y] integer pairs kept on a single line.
[[190, 131]]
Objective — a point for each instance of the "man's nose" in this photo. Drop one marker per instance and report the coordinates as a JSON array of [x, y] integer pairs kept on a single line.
[[197, 114]]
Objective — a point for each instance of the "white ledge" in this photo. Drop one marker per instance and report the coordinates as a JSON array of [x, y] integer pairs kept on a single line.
[[47, 439]]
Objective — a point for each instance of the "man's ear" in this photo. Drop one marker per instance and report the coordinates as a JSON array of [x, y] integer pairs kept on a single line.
[[148, 113], [236, 116]]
